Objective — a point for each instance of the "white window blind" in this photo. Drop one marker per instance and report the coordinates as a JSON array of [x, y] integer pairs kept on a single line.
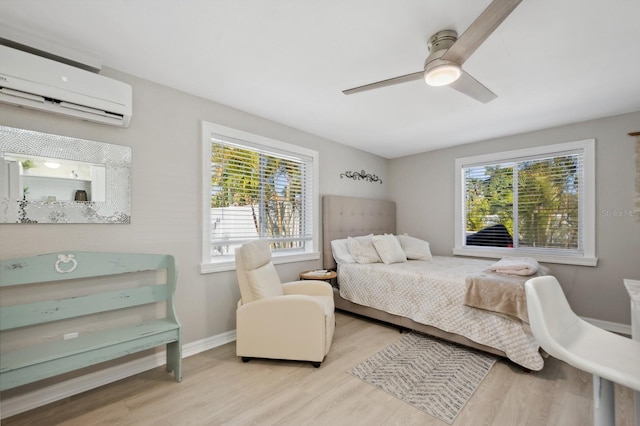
[[536, 202], [259, 193], [525, 203]]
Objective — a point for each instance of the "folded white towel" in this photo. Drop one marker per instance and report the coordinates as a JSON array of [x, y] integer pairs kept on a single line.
[[516, 266]]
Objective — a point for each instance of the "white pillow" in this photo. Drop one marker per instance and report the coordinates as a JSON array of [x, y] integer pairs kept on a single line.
[[414, 248], [340, 251], [363, 250], [389, 249]]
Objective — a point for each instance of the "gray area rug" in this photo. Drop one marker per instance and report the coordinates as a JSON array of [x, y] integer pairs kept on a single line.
[[432, 375]]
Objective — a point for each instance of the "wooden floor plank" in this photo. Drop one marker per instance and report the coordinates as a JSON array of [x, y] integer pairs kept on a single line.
[[219, 389]]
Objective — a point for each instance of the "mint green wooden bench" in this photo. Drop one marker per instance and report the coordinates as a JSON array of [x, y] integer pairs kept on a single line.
[[44, 360]]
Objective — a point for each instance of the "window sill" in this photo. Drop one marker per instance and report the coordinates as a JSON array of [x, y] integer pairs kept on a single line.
[[229, 264], [497, 253]]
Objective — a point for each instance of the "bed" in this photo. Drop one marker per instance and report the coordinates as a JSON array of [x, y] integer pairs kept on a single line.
[[430, 295]]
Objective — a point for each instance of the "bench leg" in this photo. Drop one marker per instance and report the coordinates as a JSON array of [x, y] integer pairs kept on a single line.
[[604, 410], [174, 359]]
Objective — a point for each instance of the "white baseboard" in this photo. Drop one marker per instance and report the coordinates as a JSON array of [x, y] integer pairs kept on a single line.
[[208, 343], [19, 404], [614, 327]]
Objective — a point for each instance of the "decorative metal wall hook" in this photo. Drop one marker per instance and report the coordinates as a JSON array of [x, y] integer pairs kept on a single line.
[[361, 175]]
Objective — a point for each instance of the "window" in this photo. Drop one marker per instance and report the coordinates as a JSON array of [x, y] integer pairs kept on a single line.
[[537, 202], [257, 188]]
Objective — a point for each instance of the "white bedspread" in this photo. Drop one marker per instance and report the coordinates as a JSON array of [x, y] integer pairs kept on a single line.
[[432, 293]]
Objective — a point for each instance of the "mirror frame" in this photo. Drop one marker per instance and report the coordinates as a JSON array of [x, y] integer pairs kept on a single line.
[[116, 158]]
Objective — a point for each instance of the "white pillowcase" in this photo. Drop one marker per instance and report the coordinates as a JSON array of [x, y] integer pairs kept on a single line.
[[340, 250], [415, 248], [363, 250], [389, 249]]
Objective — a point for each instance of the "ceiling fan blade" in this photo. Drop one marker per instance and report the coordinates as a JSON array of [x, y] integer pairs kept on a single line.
[[479, 30], [471, 87], [391, 81]]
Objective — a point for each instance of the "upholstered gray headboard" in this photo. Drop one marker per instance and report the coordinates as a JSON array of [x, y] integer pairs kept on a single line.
[[344, 217]]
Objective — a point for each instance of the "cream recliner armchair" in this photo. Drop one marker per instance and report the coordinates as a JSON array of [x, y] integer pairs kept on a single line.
[[276, 320]]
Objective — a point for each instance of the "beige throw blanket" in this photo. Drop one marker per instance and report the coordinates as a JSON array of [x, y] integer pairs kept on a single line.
[[516, 266], [502, 294]]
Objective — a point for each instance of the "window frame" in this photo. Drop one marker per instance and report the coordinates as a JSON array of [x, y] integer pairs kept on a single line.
[[588, 206], [212, 264]]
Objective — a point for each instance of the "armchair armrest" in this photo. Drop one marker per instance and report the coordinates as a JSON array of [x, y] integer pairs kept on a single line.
[[279, 305], [308, 287]]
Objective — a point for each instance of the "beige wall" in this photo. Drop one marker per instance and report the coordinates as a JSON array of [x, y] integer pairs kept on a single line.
[[594, 292], [165, 139]]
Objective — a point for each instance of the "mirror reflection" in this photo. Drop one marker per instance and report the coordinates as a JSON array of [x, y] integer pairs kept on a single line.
[[48, 178], [55, 179]]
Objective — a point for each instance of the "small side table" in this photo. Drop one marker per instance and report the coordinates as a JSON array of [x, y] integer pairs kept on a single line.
[[310, 275]]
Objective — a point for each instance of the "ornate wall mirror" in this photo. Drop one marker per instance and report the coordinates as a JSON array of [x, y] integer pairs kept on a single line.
[[47, 178]]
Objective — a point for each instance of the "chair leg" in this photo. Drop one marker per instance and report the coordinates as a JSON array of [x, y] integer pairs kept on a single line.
[[637, 405], [604, 411]]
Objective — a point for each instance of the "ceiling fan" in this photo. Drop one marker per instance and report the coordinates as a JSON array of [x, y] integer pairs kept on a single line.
[[447, 53]]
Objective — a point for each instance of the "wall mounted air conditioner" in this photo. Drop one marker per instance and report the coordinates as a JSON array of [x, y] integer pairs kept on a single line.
[[35, 82]]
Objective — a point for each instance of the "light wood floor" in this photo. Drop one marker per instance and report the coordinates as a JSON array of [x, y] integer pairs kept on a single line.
[[218, 389]]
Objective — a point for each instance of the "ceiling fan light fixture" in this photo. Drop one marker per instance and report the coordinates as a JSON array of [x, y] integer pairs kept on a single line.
[[442, 75]]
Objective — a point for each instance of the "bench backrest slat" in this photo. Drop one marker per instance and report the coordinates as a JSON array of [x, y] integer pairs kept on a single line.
[[73, 265], [54, 310]]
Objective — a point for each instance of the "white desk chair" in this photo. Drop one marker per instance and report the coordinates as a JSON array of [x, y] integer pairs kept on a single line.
[[559, 331]]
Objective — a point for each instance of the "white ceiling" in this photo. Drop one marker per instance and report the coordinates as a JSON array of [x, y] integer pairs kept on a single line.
[[550, 63]]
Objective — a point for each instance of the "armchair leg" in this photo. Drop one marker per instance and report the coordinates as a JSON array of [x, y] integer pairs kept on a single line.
[[316, 364], [246, 359]]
